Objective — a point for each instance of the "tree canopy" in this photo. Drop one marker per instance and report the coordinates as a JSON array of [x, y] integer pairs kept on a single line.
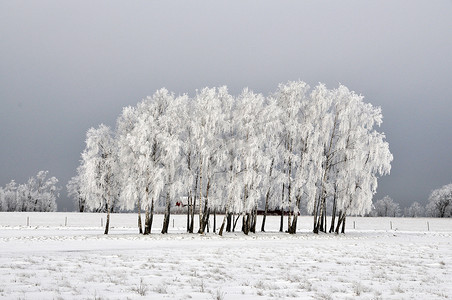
[[297, 149]]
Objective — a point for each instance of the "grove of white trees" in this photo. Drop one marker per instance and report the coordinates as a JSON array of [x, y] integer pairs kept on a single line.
[[299, 148], [39, 193], [386, 207]]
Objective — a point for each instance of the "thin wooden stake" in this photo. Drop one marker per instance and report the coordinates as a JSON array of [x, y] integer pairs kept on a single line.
[[101, 222], [354, 225], [28, 221], [428, 226], [65, 221], [391, 224]]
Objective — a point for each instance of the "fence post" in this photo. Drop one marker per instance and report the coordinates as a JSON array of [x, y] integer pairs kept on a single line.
[[101, 222], [428, 226], [28, 221], [65, 221], [173, 222], [391, 224], [354, 225]]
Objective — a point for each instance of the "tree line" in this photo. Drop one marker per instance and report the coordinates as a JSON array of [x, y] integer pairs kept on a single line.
[[299, 148], [439, 206], [39, 193]]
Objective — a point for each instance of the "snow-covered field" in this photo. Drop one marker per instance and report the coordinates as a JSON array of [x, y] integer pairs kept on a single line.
[[66, 256]]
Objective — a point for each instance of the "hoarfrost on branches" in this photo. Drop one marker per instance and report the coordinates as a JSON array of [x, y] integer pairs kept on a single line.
[[300, 149]]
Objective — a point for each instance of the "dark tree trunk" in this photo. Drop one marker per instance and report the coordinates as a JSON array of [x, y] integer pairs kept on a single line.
[[253, 220], [188, 211], [321, 221], [343, 224], [140, 226], [147, 228], [222, 227], [323, 224], [205, 213], [151, 217], [316, 211], [229, 222], [333, 213], [293, 227], [281, 224], [246, 218], [81, 204], [192, 215], [340, 219], [267, 196], [226, 217], [107, 224], [214, 221], [289, 196], [246, 223], [205, 221], [321, 216], [193, 206], [235, 223], [166, 218]]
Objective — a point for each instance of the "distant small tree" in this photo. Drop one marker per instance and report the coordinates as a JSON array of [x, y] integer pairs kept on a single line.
[[386, 207], [9, 197], [41, 192], [2, 196], [74, 192], [440, 202], [415, 210]]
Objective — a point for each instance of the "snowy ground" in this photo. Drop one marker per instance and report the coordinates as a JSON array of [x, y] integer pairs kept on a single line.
[[48, 260]]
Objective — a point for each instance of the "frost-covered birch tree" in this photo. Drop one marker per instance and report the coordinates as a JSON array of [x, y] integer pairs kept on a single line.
[[292, 99], [139, 159], [207, 128], [354, 154], [231, 166], [361, 155], [98, 169], [168, 138], [251, 160], [272, 175], [189, 158]]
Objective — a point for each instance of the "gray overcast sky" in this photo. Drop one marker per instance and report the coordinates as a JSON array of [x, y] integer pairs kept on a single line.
[[66, 66]]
